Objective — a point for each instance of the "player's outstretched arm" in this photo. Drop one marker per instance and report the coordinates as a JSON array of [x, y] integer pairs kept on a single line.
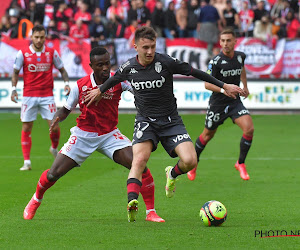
[[231, 89], [95, 95], [59, 116]]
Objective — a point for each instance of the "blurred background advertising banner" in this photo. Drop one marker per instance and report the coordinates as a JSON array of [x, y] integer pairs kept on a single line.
[[76, 57], [125, 50], [263, 59], [189, 50], [291, 59], [190, 94]]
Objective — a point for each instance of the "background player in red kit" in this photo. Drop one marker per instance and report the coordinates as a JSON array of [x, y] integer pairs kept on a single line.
[[37, 61], [95, 131]]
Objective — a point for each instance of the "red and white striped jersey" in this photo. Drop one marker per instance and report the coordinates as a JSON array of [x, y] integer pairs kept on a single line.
[[37, 70], [102, 118]]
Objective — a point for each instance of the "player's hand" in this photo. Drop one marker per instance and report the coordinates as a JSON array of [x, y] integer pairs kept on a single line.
[[233, 90], [53, 124], [67, 89], [14, 96], [94, 95], [246, 91]]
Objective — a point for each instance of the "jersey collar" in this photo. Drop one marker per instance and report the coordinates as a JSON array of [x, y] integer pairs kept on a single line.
[[94, 84], [33, 51], [92, 78]]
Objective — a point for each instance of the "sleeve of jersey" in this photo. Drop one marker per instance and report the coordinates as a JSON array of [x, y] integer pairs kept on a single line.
[[126, 86], [112, 81], [18, 64], [244, 58], [58, 63], [73, 98], [201, 75], [177, 67]]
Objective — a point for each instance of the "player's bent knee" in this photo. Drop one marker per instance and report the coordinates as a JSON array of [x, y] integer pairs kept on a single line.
[[139, 161], [53, 176], [249, 131], [190, 162]]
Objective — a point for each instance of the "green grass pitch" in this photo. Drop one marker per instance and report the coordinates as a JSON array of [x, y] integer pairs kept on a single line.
[[86, 209]]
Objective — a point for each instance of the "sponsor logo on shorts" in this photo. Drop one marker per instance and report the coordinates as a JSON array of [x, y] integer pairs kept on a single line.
[[181, 137], [243, 112], [68, 148]]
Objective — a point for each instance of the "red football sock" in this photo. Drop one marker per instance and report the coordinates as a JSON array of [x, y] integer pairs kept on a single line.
[[147, 189], [133, 189], [43, 185], [26, 144], [54, 136]]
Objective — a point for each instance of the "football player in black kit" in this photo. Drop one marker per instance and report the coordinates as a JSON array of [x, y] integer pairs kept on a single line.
[[227, 66], [157, 119]]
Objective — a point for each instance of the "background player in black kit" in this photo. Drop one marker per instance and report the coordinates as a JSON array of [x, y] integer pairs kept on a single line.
[[227, 66], [157, 119]]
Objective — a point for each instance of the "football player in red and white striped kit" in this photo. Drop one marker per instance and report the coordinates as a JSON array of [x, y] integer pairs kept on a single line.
[[96, 130], [37, 61]]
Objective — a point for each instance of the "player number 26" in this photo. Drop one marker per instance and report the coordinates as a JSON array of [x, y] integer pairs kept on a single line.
[[211, 116]]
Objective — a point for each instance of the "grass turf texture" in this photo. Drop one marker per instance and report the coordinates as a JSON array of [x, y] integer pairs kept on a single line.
[[86, 209]]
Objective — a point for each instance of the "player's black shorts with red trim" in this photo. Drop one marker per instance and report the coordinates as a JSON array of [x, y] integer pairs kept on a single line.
[[216, 113], [169, 130]]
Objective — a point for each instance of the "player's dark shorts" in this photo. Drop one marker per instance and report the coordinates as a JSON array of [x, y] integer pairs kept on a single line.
[[217, 114], [169, 130]]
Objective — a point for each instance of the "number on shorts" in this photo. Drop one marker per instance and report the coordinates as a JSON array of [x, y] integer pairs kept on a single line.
[[211, 116], [52, 107], [118, 135], [142, 126], [24, 108], [73, 139]]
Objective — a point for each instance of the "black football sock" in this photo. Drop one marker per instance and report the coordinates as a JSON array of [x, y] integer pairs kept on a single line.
[[245, 145], [176, 171], [199, 146]]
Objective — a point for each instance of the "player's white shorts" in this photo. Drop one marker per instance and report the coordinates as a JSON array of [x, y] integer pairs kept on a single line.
[[82, 144], [31, 106]]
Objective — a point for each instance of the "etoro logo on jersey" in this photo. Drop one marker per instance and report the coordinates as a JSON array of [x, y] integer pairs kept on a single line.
[[231, 72], [148, 84]]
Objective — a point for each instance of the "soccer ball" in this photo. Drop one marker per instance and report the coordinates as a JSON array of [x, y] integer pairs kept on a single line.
[[213, 213]]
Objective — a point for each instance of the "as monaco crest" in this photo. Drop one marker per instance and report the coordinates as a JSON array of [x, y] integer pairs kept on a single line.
[[158, 67], [239, 58]]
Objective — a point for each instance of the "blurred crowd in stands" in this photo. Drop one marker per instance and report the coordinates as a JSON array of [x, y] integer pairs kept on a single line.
[[73, 20]]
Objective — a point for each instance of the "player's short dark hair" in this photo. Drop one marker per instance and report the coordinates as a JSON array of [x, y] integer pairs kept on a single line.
[[228, 31], [145, 32], [38, 28], [97, 51]]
